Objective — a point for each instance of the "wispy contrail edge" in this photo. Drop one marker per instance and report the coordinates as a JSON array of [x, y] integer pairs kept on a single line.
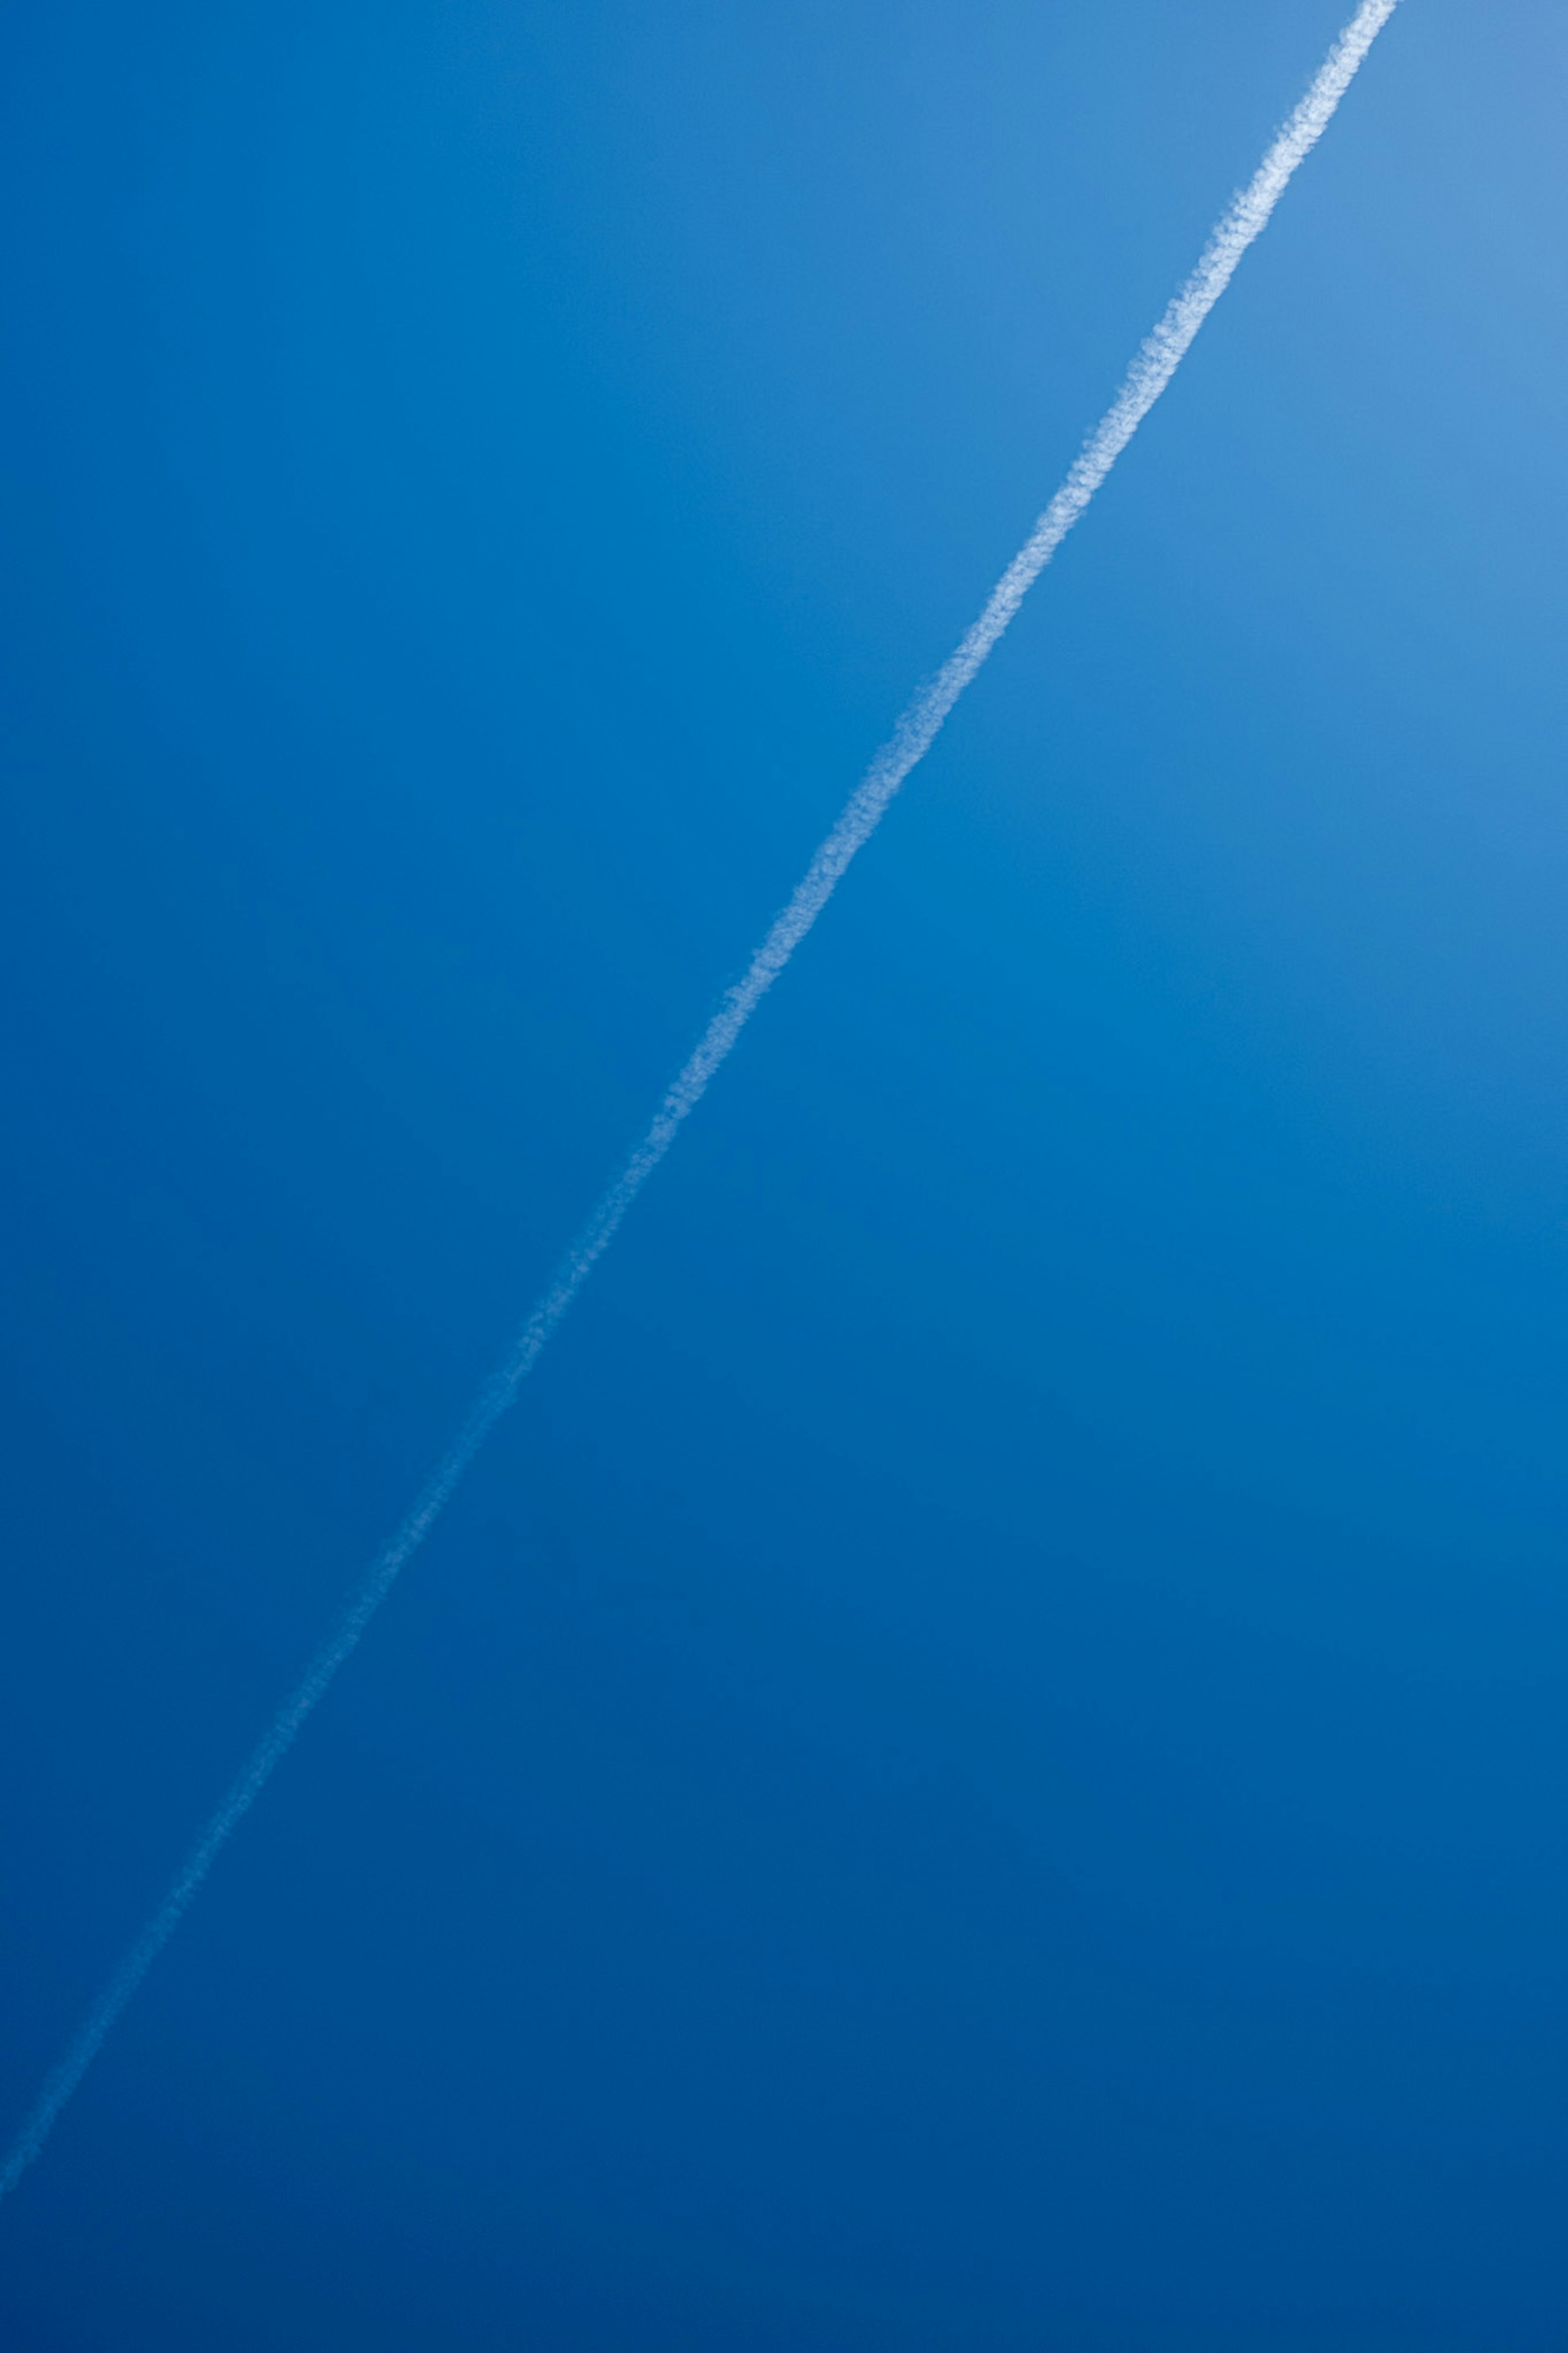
[[1158, 359]]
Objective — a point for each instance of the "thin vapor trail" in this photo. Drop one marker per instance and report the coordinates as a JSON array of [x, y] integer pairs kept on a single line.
[[1158, 359]]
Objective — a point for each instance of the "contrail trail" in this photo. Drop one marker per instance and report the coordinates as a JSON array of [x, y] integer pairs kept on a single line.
[[1158, 359]]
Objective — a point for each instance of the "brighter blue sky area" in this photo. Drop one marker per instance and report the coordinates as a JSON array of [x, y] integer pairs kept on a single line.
[[981, 1766]]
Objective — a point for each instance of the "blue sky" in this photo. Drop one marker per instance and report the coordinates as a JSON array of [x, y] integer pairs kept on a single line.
[[979, 1764]]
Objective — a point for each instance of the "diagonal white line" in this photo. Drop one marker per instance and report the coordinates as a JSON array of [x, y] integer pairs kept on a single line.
[[1158, 359]]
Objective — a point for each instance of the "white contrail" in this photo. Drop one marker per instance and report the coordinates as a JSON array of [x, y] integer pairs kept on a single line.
[[1157, 362]]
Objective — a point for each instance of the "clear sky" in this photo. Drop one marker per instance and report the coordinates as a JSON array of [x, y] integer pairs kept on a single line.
[[981, 1765]]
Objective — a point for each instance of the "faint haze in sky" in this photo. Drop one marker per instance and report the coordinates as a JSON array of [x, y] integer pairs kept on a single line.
[[980, 1762]]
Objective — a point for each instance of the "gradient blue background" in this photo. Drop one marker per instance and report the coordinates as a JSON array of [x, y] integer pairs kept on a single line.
[[981, 1764]]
